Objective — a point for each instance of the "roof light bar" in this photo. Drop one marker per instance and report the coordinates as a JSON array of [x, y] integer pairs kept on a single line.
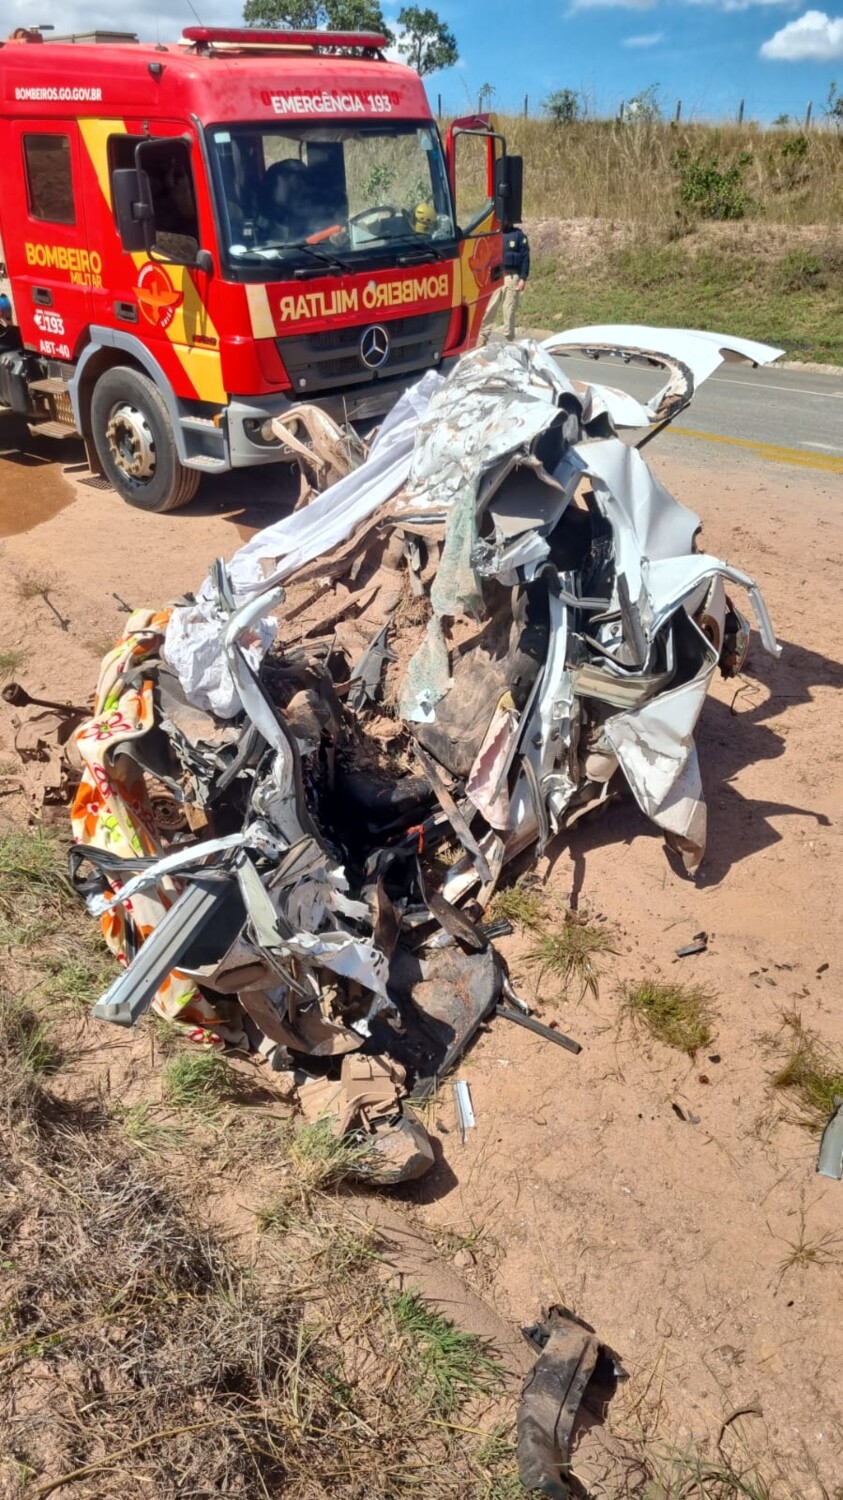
[[367, 41]]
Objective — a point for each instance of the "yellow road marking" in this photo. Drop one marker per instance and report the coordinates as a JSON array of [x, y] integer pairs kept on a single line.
[[824, 463]]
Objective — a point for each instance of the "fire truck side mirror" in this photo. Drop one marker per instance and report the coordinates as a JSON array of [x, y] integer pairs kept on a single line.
[[133, 209], [509, 189]]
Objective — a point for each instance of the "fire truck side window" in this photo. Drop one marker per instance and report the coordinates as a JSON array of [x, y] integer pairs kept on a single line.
[[49, 178], [167, 165]]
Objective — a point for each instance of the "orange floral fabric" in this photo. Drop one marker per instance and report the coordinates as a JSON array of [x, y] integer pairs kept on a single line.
[[112, 810]]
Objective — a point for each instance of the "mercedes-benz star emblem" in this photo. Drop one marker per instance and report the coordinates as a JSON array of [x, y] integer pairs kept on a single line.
[[374, 347]]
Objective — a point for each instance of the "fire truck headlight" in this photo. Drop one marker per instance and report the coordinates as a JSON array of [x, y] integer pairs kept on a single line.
[[260, 432]]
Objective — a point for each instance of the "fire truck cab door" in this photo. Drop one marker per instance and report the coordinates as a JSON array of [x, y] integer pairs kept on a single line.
[[48, 259], [472, 146]]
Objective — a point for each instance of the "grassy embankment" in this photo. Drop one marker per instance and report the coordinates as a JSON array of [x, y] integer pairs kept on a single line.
[[700, 226]]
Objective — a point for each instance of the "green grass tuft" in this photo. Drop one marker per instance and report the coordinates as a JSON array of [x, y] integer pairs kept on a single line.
[[32, 868], [446, 1364], [28, 1039], [810, 1071], [78, 981], [166, 1035], [568, 952], [675, 1475], [680, 1015], [200, 1080], [520, 906], [275, 1217], [143, 1130], [319, 1160]]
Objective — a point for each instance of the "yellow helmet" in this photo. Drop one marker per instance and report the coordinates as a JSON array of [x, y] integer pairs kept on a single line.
[[424, 218]]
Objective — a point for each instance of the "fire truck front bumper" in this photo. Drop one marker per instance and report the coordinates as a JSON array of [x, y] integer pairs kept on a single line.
[[248, 421]]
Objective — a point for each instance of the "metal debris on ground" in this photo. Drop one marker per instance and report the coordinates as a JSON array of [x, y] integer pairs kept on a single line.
[[300, 786], [698, 944], [830, 1159], [550, 1401], [464, 1108]]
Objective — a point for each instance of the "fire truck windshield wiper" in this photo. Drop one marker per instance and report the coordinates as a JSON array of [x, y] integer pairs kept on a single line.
[[421, 253], [327, 257]]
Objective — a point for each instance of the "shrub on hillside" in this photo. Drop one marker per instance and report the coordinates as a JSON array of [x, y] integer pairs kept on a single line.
[[710, 191]]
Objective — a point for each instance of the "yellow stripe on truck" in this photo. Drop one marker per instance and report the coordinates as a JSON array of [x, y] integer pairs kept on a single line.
[[203, 367], [263, 323]]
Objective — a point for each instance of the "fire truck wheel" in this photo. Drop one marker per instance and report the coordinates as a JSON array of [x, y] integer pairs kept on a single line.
[[134, 439]]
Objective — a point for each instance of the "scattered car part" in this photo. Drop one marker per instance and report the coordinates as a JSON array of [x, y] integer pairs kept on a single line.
[[550, 1400], [698, 944], [464, 1108], [830, 1159], [530, 1024]]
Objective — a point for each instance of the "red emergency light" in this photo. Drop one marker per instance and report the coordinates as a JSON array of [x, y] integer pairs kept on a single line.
[[366, 41]]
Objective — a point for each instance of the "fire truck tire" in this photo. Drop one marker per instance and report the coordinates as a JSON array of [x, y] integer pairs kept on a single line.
[[135, 443]]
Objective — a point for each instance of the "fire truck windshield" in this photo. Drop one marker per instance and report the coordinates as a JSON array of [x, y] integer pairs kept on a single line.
[[345, 196]]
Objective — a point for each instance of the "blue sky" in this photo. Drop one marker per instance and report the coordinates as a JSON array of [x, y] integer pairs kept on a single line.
[[775, 54], [709, 55]]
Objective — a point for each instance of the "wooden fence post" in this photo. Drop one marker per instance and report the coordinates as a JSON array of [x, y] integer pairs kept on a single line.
[[740, 113], [438, 106], [526, 105], [678, 116], [808, 117], [620, 113]]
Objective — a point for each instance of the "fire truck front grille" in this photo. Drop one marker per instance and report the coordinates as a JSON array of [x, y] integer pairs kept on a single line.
[[332, 359]]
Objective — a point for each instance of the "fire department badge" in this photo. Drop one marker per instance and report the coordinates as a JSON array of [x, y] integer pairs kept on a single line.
[[157, 296]]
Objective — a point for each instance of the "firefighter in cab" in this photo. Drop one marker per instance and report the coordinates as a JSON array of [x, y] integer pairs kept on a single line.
[[516, 269]]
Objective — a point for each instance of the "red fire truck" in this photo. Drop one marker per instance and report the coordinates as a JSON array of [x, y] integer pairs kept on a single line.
[[196, 237]]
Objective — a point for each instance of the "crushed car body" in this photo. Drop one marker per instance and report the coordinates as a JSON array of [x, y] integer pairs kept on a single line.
[[302, 784]]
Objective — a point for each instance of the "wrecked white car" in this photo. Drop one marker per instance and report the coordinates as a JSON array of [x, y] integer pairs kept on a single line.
[[494, 624]]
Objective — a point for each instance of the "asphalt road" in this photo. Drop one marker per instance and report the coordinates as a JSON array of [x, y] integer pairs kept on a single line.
[[780, 416]]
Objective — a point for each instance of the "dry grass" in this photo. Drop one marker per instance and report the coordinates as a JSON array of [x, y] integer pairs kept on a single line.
[[598, 169], [167, 1036], [35, 586], [807, 1250], [11, 662], [615, 240], [679, 1015], [79, 980], [674, 1475], [36, 898], [138, 1357], [145, 1130], [566, 949], [810, 1071]]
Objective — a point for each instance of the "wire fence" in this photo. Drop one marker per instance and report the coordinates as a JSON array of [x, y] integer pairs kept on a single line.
[[628, 111]]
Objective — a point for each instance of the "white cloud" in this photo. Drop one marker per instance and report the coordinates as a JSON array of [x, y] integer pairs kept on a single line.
[[648, 39], [815, 37], [578, 5], [164, 22], [725, 5]]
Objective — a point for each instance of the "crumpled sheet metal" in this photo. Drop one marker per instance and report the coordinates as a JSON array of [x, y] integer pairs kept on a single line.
[[513, 403], [692, 355], [192, 644], [483, 632]]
